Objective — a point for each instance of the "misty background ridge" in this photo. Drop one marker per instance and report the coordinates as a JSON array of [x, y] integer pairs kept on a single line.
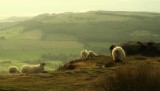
[[106, 25]]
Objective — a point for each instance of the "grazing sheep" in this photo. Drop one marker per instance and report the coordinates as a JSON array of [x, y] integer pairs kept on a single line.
[[91, 54], [118, 54], [33, 69], [13, 69], [84, 54]]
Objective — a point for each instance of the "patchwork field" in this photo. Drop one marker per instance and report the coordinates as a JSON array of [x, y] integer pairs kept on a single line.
[[19, 52]]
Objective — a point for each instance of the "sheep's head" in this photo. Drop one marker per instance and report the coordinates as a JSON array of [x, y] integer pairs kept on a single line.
[[18, 71], [112, 47], [42, 64]]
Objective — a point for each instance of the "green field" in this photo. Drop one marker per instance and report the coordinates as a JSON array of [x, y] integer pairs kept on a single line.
[[20, 52]]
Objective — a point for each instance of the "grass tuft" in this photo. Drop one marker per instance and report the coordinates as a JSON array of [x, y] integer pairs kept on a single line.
[[143, 77]]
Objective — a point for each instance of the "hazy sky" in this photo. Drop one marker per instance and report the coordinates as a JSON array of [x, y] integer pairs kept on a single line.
[[35, 7]]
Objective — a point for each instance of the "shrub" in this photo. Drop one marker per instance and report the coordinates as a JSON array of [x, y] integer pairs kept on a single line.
[[144, 77]]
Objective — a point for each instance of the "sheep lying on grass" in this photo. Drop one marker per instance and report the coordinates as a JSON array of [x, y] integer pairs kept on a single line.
[[13, 69], [118, 54], [33, 69]]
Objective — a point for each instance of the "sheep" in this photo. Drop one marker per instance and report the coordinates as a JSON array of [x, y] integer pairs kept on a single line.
[[84, 54], [33, 69], [118, 54], [91, 54], [13, 69]]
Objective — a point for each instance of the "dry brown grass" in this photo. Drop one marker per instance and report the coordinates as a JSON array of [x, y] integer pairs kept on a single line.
[[98, 61], [86, 75], [143, 77]]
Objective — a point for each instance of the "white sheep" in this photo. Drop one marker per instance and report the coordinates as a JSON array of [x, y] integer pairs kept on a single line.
[[91, 54], [118, 54], [84, 54], [13, 69], [33, 68]]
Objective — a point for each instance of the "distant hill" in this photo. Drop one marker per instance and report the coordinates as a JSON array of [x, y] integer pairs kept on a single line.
[[14, 19], [11, 21], [94, 26]]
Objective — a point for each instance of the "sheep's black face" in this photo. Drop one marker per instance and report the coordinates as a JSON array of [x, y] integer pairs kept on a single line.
[[42, 64], [112, 47]]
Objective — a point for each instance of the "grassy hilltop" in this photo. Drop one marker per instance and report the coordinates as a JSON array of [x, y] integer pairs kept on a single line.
[[56, 38], [96, 74]]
